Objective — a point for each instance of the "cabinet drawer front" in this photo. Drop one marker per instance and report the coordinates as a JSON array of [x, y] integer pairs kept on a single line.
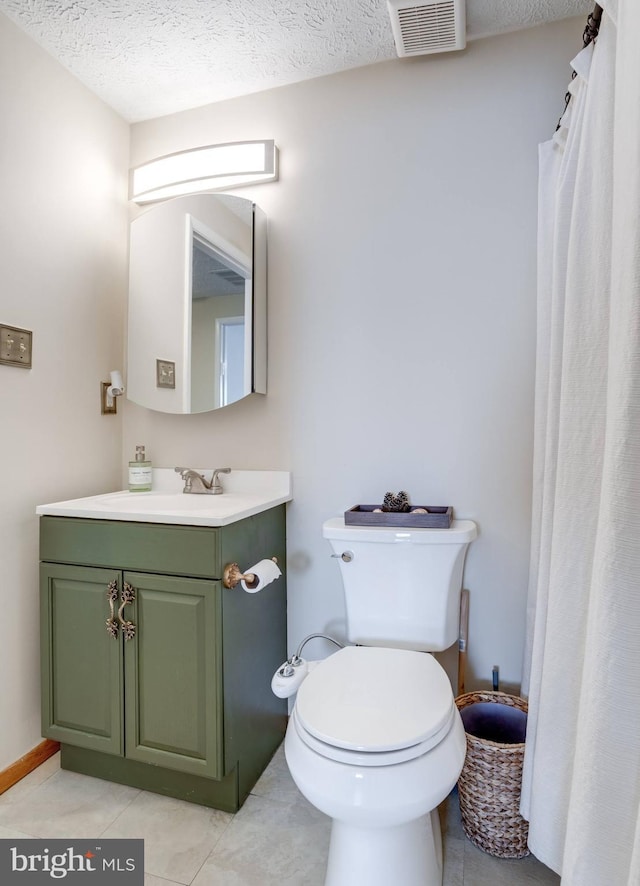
[[148, 547]]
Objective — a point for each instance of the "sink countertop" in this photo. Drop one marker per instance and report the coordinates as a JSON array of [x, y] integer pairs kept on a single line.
[[245, 493]]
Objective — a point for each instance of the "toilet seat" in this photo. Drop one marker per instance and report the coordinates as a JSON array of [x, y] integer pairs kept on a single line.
[[374, 706], [371, 758]]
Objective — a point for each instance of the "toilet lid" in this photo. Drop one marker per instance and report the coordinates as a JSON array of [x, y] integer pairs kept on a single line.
[[375, 699]]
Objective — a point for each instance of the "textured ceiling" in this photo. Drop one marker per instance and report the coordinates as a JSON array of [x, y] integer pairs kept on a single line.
[[147, 58]]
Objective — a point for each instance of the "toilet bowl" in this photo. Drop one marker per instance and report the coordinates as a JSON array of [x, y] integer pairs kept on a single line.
[[376, 742]]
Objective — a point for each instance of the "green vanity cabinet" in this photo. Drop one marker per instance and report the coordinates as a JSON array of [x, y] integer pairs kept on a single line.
[[177, 699]]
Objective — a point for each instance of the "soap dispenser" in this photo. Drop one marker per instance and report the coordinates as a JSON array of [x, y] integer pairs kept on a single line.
[[140, 472]]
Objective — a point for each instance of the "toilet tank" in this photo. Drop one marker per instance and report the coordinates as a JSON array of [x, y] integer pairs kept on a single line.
[[401, 586]]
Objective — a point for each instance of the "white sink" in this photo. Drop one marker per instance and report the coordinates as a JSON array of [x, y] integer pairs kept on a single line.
[[161, 501], [246, 493]]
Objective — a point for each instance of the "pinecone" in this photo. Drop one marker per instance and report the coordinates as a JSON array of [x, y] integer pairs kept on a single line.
[[396, 502]]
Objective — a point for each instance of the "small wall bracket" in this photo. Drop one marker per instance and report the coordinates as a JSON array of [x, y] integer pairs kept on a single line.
[[107, 408]]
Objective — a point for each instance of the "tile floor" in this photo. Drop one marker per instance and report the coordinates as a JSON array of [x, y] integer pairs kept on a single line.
[[276, 839]]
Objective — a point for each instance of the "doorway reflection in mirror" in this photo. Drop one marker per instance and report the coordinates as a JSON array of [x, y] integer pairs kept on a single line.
[[220, 333]]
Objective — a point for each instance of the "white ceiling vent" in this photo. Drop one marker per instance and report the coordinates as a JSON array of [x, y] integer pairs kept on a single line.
[[419, 28]]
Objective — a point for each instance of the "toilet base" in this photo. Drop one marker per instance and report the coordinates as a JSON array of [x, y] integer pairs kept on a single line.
[[409, 854]]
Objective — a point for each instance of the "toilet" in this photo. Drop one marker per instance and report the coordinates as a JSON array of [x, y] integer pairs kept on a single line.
[[374, 739]]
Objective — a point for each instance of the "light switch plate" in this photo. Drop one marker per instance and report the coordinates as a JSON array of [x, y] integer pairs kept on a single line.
[[165, 374], [15, 346]]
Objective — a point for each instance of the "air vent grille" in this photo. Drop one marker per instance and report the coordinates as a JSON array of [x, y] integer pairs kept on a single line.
[[420, 28]]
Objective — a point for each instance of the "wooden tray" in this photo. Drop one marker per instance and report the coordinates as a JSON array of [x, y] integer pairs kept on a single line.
[[435, 518]]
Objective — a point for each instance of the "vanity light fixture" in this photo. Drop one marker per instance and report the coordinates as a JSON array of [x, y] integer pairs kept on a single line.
[[209, 168]]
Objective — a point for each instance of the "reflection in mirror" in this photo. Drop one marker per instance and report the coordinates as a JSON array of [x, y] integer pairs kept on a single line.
[[220, 321], [197, 299]]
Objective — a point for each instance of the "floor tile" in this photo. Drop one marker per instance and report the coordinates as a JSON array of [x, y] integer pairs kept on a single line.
[[65, 805], [450, 820], [178, 836], [270, 844], [453, 863], [482, 869], [453, 841], [150, 880], [276, 783], [34, 778], [276, 839], [8, 834], [478, 868]]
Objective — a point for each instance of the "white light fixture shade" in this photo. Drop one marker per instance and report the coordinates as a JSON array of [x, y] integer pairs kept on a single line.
[[210, 168]]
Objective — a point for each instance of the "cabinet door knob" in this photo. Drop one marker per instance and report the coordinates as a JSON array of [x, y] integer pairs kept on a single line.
[[128, 596], [112, 596]]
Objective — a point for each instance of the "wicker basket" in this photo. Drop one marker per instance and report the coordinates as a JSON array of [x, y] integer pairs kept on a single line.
[[490, 784]]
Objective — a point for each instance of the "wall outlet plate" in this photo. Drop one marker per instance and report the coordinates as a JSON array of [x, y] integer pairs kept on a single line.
[[15, 346]]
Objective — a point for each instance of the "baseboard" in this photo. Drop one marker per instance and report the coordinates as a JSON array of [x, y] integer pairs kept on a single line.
[[12, 774]]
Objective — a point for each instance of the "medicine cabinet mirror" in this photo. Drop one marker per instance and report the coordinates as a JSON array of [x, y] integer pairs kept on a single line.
[[197, 304]]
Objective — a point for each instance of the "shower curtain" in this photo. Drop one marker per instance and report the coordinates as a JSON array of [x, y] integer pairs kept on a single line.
[[581, 780]]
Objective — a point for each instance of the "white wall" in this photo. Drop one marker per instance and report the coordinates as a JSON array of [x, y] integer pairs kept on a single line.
[[63, 235], [402, 247]]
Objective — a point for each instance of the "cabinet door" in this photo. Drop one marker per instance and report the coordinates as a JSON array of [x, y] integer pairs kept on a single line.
[[173, 668], [82, 667]]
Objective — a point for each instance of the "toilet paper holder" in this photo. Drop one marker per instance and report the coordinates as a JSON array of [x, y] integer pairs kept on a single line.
[[231, 575]]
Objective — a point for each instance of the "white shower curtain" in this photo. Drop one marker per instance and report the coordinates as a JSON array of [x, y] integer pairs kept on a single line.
[[581, 780]]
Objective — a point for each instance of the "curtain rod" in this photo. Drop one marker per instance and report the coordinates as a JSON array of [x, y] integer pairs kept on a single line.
[[593, 25], [588, 36]]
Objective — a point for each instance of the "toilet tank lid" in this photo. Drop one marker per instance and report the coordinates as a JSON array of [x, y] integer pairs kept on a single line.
[[375, 699], [460, 532]]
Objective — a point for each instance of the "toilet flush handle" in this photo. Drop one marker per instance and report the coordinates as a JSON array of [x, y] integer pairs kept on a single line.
[[346, 556]]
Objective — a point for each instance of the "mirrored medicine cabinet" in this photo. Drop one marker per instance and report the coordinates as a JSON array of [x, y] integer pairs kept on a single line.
[[197, 304]]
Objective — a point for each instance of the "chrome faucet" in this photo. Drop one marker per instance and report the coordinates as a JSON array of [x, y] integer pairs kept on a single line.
[[197, 484]]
